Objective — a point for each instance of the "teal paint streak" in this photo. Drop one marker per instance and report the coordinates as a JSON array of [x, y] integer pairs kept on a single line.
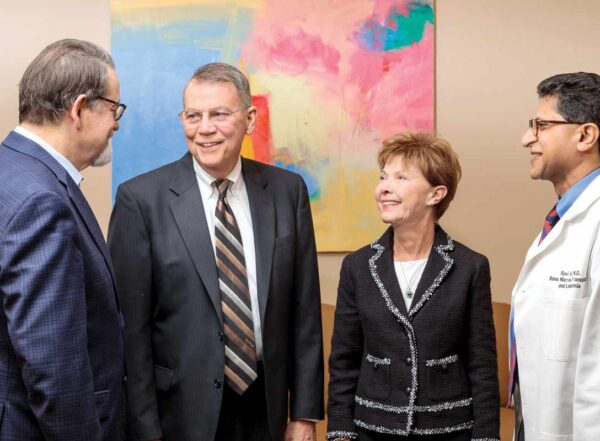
[[398, 31]]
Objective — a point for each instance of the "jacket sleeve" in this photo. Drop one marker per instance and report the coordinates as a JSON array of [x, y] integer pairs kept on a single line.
[[482, 363], [130, 248], [345, 359], [586, 402], [42, 280], [306, 357]]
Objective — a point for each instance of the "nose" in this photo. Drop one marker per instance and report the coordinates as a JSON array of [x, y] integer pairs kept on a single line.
[[205, 126], [528, 138], [383, 186]]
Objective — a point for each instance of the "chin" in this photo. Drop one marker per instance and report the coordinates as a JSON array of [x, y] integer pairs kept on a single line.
[[104, 158]]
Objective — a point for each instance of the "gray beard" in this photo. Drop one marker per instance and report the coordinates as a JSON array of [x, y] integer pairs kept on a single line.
[[104, 158]]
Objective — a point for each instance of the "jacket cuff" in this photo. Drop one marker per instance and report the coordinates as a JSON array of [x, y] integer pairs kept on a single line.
[[335, 434]]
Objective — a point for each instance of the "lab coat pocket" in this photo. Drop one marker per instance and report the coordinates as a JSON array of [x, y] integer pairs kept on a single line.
[[563, 320]]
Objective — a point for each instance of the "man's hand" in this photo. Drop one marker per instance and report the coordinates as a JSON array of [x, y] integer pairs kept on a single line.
[[300, 430]]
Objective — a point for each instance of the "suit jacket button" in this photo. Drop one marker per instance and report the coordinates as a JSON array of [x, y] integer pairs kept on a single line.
[[221, 337], [217, 383], [407, 391], [408, 361]]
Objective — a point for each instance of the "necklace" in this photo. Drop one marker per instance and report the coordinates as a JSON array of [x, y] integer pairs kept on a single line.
[[410, 285]]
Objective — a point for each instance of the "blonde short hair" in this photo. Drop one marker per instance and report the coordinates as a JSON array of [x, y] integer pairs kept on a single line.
[[432, 155]]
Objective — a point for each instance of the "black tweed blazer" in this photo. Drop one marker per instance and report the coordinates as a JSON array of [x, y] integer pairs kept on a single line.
[[431, 370]]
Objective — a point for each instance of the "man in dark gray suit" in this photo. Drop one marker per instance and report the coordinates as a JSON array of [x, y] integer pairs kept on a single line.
[[61, 343], [217, 273]]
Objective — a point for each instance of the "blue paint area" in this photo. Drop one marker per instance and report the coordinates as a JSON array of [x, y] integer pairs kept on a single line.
[[312, 183], [397, 32], [154, 64]]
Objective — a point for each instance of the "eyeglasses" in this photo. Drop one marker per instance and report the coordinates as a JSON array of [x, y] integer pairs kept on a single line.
[[192, 117], [535, 124], [117, 107]]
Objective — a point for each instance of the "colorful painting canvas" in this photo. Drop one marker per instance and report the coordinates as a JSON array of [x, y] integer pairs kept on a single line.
[[330, 78]]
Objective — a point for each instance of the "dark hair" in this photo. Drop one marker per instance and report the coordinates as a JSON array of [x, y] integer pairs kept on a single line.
[[432, 155], [58, 75], [224, 73], [578, 95]]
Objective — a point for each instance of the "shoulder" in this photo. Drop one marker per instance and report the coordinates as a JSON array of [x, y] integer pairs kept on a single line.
[[270, 173], [158, 177], [24, 179], [468, 258], [358, 259]]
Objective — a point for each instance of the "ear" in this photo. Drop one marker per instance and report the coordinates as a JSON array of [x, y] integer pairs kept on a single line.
[[437, 194], [79, 105], [588, 137], [250, 119]]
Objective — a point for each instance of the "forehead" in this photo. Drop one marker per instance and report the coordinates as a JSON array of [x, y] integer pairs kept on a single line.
[[112, 84], [547, 108], [209, 95], [398, 162]]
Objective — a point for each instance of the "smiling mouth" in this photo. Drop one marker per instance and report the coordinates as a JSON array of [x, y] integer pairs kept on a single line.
[[389, 203], [208, 145]]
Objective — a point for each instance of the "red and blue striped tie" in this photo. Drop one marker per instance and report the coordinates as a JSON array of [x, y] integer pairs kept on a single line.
[[551, 219]]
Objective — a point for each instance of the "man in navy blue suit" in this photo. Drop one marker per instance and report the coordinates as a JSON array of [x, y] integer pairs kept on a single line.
[[61, 347]]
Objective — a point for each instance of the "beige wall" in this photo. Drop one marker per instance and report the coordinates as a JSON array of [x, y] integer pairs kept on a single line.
[[490, 56]]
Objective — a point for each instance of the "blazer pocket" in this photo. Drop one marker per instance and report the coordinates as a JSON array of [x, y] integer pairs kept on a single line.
[[284, 241], [445, 378], [163, 378], [102, 401], [375, 377]]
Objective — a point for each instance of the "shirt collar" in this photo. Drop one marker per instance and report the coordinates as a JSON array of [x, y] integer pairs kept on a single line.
[[64, 162], [571, 195], [235, 176]]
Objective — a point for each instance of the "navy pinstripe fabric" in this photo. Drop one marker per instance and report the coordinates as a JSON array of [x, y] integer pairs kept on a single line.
[[61, 350]]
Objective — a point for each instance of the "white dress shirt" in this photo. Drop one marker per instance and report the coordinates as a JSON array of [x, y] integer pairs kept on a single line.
[[66, 164], [237, 199]]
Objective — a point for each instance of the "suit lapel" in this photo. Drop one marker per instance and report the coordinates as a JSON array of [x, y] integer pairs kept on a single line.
[[188, 212], [24, 145], [387, 271], [438, 265], [86, 214], [262, 210]]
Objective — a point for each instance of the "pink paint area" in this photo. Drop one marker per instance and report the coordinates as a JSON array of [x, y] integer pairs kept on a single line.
[[293, 52], [392, 91], [382, 9]]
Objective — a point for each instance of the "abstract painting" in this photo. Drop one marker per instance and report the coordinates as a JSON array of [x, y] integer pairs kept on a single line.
[[330, 78]]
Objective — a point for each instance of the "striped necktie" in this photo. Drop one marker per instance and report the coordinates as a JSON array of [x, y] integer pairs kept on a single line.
[[240, 352], [551, 219]]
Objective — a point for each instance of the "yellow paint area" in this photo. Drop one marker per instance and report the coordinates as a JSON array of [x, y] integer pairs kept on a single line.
[[163, 12], [121, 6], [359, 224]]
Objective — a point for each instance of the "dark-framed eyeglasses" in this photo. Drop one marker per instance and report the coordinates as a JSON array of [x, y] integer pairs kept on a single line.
[[117, 107], [536, 123], [192, 117]]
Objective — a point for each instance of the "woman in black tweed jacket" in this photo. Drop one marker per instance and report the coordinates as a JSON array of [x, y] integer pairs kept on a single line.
[[413, 350]]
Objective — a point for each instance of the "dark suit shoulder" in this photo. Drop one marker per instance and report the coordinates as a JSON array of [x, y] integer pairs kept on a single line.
[[23, 177], [261, 172], [158, 178]]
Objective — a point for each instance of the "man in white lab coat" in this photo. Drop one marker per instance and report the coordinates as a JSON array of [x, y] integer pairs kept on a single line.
[[555, 318]]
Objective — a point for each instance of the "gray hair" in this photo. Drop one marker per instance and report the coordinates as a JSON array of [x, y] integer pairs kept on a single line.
[[224, 73], [58, 75]]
